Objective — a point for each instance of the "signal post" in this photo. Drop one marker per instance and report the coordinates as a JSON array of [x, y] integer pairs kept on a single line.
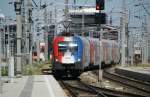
[[99, 6]]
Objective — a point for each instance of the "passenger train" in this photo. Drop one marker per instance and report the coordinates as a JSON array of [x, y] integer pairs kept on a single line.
[[73, 55]]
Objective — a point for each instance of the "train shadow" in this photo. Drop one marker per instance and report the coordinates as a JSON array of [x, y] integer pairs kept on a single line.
[[67, 78]]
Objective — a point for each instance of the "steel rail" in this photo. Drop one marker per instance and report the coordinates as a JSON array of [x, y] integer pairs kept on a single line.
[[142, 86], [71, 88]]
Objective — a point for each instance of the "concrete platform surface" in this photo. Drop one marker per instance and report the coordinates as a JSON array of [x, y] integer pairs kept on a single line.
[[139, 73], [33, 86]]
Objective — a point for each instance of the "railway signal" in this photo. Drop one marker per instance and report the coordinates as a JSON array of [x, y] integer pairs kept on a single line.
[[100, 4], [100, 18]]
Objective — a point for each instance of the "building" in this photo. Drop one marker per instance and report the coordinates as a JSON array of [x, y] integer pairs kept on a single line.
[[2, 35], [83, 21], [7, 37]]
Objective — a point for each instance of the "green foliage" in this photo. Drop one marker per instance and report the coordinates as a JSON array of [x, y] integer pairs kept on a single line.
[[27, 70], [143, 65], [5, 71], [34, 69]]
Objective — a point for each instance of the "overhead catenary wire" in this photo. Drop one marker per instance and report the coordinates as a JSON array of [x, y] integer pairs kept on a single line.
[[145, 9], [34, 3]]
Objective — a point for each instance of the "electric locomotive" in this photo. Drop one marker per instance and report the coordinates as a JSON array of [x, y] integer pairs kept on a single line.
[[67, 56], [73, 55]]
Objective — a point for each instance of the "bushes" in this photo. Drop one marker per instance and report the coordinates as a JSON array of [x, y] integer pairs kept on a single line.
[[4, 71], [27, 70], [34, 69]]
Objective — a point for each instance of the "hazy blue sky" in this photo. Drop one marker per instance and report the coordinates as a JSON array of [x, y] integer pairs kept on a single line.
[[111, 5], [112, 8], [7, 9]]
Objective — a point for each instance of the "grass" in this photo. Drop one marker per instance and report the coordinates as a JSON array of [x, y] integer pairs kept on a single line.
[[4, 71], [143, 65], [35, 69]]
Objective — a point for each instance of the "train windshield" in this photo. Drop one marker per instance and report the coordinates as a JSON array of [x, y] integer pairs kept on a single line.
[[67, 46]]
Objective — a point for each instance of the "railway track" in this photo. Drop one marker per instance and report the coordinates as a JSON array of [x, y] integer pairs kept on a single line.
[[80, 89], [138, 85], [76, 89]]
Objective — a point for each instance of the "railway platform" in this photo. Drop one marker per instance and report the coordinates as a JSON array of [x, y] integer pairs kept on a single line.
[[139, 73], [32, 86]]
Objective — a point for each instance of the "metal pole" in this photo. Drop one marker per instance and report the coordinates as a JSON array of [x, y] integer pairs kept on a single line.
[[142, 30], [132, 48], [1, 26], [46, 33], [119, 36], [1, 87], [74, 4], [142, 46], [11, 68], [100, 72], [38, 49], [23, 33], [83, 20], [9, 60], [37, 38], [66, 15], [123, 34], [7, 45], [28, 31], [145, 41], [55, 32], [1, 52], [100, 78], [66, 9], [131, 45], [19, 36]]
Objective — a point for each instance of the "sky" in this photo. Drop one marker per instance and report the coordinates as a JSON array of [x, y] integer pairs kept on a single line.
[[112, 8], [6, 8]]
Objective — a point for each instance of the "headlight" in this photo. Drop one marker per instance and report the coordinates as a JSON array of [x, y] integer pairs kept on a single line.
[[56, 60], [79, 60]]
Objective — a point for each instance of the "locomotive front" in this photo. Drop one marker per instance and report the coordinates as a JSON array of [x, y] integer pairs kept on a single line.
[[67, 56]]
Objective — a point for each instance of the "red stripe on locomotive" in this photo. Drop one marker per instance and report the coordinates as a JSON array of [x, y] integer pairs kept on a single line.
[[58, 55]]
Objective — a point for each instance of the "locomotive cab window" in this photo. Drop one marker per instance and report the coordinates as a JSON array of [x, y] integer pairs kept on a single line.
[[67, 46], [62, 46]]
